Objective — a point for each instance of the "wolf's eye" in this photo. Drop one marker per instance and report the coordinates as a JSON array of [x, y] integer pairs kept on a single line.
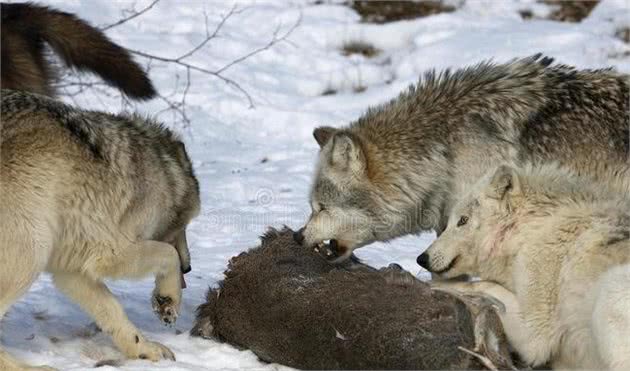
[[463, 220], [321, 207]]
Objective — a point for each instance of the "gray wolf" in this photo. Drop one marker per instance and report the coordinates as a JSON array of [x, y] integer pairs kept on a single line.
[[555, 250], [290, 306], [400, 168], [28, 28], [88, 196]]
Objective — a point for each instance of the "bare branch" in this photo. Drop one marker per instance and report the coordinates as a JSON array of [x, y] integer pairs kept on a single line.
[[272, 42], [218, 73], [208, 35], [73, 85], [198, 69], [132, 16]]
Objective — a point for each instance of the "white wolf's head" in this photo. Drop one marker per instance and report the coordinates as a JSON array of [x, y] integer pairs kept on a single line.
[[476, 226]]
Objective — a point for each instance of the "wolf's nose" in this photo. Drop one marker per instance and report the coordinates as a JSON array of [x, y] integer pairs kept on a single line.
[[299, 236], [423, 260]]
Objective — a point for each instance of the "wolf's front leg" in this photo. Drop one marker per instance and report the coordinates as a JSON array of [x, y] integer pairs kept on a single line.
[[532, 345], [160, 259], [96, 299]]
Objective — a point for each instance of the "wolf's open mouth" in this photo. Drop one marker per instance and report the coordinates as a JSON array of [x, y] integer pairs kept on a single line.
[[331, 244], [449, 266], [330, 248]]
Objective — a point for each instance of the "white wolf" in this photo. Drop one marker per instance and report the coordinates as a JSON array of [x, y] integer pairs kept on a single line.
[[556, 251]]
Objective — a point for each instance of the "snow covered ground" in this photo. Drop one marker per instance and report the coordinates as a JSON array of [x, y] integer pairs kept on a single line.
[[255, 164]]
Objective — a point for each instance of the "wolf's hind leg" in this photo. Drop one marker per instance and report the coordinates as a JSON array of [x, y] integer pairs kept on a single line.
[[153, 257], [22, 258], [96, 299], [21, 261]]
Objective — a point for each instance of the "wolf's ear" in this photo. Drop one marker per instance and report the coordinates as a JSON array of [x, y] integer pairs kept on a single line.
[[346, 153], [323, 134], [504, 182]]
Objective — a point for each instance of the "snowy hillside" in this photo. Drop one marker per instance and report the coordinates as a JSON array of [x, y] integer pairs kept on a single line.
[[254, 160]]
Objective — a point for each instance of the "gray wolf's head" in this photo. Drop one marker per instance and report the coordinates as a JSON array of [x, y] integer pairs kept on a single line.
[[476, 226], [347, 208]]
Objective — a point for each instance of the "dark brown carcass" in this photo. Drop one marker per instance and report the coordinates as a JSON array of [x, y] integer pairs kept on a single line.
[[289, 305]]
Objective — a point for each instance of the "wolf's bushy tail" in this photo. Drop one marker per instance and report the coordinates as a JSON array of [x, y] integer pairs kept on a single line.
[[80, 46]]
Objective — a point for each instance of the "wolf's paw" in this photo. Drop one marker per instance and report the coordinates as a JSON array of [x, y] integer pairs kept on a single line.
[[150, 350], [165, 308]]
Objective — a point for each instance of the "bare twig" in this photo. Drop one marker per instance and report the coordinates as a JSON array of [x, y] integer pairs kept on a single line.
[[73, 85], [208, 35], [198, 69], [218, 73], [271, 43], [132, 16]]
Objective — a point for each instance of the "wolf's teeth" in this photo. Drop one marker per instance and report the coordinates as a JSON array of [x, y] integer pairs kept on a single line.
[[326, 242]]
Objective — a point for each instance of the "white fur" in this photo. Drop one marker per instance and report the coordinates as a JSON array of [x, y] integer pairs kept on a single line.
[[555, 250]]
